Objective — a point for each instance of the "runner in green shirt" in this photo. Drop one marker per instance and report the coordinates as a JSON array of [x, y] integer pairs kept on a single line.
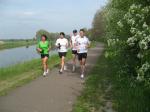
[[43, 48]]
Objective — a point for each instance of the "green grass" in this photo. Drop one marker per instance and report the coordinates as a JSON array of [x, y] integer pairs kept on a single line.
[[104, 84], [14, 44], [93, 96], [93, 44], [19, 74], [130, 96]]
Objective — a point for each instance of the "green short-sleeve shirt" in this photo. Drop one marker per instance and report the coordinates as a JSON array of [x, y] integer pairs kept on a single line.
[[44, 46]]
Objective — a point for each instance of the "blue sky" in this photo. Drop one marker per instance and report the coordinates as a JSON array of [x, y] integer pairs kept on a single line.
[[22, 18]]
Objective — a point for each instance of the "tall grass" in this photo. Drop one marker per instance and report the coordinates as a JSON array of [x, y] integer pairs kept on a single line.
[[130, 96]]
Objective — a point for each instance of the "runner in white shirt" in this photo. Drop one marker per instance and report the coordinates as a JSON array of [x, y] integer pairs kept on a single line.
[[74, 48], [62, 45], [83, 44]]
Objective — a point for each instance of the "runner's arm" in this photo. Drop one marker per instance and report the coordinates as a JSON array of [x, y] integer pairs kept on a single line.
[[67, 43], [56, 44], [88, 43], [71, 43], [38, 47]]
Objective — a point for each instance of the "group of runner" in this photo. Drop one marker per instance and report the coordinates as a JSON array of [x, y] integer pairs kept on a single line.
[[79, 44]]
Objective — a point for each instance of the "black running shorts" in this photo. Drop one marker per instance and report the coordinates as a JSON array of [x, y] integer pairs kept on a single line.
[[44, 55], [74, 52], [61, 54], [82, 56]]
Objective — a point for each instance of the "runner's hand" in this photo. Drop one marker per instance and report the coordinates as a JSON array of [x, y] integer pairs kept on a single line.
[[71, 46], [87, 46], [66, 45], [39, 50]]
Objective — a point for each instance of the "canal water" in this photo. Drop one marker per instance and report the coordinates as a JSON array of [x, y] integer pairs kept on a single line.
[[13, 56]]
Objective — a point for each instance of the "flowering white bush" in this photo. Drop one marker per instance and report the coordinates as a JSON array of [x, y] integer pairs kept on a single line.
[[112, 42], [120, 24], [131, 41], [140, 55], [135, 18], [141, 71]]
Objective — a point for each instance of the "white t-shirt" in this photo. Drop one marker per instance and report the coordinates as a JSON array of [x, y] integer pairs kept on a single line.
[[74, 43], [63, 43], [82, 42]]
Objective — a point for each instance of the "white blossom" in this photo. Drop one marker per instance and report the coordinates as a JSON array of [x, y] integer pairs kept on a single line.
[[131, 21], [141, 71], [120, 24], [145, 26], [143, 45], [145, 67], [140, 55], [131, 41], [147, 38], [112, 42], [133, 30]]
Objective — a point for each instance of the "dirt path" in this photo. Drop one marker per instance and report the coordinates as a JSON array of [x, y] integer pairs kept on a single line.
[[54, 93]]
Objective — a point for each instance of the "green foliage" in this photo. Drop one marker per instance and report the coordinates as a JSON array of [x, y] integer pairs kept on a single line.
[[126, 94], [129, 95], [128, 23], [51, 36], [127, 30], [97, 30]]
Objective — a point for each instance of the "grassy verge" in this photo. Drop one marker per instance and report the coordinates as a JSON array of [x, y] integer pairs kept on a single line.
[[14, 44], [129, 95], [93, 44], [95, 93], [105, 90], [20, 74]]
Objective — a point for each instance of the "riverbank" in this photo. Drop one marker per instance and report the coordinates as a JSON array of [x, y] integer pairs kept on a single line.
[[17, 75], [15, 44]]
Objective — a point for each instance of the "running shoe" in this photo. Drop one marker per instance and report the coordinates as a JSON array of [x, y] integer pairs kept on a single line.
[[65, 68], [73, 68], [47, 71], [44, 74], [60, 71], [82, 76]]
